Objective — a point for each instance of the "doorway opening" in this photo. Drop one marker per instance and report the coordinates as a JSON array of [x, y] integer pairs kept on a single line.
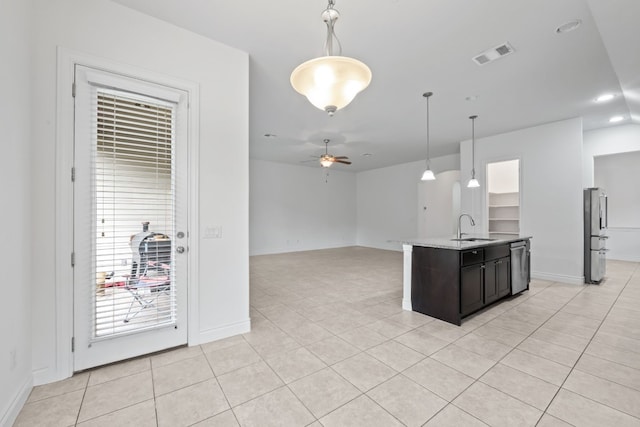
[[503, 198]]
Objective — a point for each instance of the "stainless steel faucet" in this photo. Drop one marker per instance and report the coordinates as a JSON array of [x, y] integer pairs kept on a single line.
[[473, 223]]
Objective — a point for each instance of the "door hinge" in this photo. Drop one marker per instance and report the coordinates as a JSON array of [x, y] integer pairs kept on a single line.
[[73, 259], [73, 90], [73, 174], [73, 344]]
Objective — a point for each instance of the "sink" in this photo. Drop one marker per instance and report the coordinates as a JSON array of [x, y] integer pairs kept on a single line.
[[473, 239]]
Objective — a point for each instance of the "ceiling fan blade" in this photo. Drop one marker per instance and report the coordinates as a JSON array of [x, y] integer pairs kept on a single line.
[[341, 157], [342, 161]]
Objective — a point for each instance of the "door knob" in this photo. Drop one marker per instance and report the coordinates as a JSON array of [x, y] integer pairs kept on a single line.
[[180, 249]]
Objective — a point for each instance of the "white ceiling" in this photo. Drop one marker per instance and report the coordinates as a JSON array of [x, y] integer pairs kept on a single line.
[[414, 46]]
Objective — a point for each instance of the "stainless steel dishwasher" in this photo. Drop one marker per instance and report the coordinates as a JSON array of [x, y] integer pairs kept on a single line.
[[519, 266]]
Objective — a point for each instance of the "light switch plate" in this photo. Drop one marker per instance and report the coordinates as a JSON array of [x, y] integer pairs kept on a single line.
[[212, 232]]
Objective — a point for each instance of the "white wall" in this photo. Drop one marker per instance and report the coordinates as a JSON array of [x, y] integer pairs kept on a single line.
[[387, 201], [15, 176], [117, 34], [611, 140], [618, 175], [551, 192], [297, 208], [504, 177], [623, 240]]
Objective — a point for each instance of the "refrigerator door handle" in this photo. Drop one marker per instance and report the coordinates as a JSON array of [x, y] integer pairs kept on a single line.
[[606, 212]]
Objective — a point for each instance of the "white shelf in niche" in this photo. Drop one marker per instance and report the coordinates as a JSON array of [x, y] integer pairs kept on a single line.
[[504, 213]]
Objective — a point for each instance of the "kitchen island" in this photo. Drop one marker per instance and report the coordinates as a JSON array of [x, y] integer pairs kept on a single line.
[[451, 278]]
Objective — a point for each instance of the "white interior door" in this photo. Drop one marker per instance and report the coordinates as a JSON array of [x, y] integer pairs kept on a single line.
[[130, 218], [439, 205]]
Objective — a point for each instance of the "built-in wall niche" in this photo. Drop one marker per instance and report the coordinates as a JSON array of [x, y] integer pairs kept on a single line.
[[503, 197]]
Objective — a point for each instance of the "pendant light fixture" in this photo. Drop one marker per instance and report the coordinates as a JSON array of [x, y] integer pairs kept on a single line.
[[473, 182], [428, 174], [331, 82]]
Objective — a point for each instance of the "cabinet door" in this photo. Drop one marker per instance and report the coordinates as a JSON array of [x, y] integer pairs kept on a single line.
[[471, 289], [503, 276], [490, 282]]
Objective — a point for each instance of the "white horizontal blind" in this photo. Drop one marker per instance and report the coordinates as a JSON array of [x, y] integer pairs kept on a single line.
[[134, 187]]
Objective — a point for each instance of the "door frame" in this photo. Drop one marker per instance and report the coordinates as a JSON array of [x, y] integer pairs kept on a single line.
[[64, 286]]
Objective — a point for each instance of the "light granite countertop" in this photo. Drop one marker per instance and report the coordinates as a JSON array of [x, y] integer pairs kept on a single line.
[[446, 242]]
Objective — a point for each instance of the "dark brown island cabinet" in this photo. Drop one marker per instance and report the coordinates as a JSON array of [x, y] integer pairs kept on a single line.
[[451, 284]]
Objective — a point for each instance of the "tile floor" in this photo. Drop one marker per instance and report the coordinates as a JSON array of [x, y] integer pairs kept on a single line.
[[330, 346]]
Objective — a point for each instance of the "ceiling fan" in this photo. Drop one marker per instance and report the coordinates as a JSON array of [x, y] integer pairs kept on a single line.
[[326, 160]]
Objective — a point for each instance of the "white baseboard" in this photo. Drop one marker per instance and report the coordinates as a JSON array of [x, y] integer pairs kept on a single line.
[[224, 331], [572, 280], [10, 415]]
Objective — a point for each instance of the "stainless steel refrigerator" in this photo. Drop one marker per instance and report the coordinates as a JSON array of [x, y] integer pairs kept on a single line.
[[595, 234]]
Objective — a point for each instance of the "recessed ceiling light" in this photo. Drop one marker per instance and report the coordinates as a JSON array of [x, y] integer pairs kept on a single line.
[[605, 97], [471, 98], [616, 119], [270, 135], [568, 26], [367, 155]]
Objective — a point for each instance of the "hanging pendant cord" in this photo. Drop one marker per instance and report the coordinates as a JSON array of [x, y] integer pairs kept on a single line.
[[330, 16], [473, 146]]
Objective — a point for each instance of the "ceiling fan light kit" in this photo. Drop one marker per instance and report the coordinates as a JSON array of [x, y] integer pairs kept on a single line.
[[326, 160], [331, 82], [473, 182], [428, 174]]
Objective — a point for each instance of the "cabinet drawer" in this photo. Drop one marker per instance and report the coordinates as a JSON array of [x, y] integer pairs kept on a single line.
[[472, 256], [495, 252]]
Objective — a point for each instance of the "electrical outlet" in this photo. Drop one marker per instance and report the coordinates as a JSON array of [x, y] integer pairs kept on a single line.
[[124, 261], [12, 359]]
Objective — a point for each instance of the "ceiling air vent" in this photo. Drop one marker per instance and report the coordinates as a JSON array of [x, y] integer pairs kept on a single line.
[[491, 55]]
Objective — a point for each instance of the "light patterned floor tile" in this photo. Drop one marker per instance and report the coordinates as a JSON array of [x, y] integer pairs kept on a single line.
[[616, 396], [444, 381], [557, 353], [295, 364], [333, 350], [119, 370], [580, 411], [277, 408], [496, 408], [544, 369], [467, 362], [421, 342], [360, 412], [175, 355], [181, 374], [54, 411], [225, 419], [324, 391], [232, 357], [407, 401], [452, 416], [364, 371], [527, 388], [117, 394], [77, 382], [297, 308], [249, 382], [139, 415], [396, 355], [608, 370], [191, 404]]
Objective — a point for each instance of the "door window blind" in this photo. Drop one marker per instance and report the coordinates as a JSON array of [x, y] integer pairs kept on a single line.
[[134, 187]]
